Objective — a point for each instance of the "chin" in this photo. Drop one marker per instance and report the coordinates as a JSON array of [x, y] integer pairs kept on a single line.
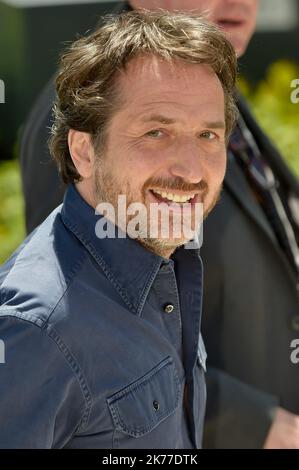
[[240, 46], [240, 50]]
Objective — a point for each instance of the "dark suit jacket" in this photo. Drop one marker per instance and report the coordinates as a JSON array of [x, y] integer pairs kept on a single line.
[[251, 303], [42, 186], [251, 311]]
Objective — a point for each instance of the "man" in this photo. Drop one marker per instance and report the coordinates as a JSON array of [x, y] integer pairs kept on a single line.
[[102, 329], [251, 306]]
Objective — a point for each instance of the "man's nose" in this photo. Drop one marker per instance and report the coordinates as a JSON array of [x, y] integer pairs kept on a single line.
[[187, 162]]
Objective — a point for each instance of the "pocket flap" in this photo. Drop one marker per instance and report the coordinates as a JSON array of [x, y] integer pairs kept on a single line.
[[142, 405]]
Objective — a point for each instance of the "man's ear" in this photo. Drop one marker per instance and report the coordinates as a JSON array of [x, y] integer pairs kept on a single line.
[[82, 152]]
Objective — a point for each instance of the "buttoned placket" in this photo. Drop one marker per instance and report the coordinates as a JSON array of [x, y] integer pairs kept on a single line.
[[188, 269], [164, 298], [175, 296]]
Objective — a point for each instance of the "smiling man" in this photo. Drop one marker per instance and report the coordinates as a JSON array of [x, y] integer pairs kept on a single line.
[[249, 320], [102, 335], [146, 141]]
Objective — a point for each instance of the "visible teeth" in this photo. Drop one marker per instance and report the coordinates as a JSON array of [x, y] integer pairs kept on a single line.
[[174, 197]]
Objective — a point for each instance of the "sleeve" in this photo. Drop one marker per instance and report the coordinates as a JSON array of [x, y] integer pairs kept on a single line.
[[238, 416], [41, 403], [42, 185]]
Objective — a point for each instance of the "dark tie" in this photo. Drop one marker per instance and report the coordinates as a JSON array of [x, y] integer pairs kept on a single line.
[[264, 186]]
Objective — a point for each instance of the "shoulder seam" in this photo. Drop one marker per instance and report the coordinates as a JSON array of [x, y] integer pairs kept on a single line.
[[52, 333], [68, 280], [69, 358]]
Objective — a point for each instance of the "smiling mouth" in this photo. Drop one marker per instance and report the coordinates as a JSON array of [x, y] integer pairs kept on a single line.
[[173, 198]]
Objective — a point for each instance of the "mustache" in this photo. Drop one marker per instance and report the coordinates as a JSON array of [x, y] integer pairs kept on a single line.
[[178, 184]]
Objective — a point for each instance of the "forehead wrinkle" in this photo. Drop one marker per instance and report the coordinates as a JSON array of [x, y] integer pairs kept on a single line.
[[150, 67], [150, 113]]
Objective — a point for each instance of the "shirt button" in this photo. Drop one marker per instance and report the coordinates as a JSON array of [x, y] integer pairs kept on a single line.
[[168, 308], [295, 323], [156, 405]]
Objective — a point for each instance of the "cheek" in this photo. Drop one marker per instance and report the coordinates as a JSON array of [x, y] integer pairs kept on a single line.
[[252, 23], [126, 162], [208, 6], [145, 162], [216, 170], [137, 169]]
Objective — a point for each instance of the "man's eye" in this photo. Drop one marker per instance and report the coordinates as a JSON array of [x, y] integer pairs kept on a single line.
[[155, 133], [208, 135]]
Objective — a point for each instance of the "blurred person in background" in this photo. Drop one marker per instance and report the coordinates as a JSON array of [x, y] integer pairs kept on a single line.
[[250, 253]]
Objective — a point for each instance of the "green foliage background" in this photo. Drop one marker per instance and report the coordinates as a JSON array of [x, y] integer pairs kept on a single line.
[[270, 102], [11, 209]]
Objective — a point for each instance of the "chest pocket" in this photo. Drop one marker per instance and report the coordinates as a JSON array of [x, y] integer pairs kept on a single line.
[[202, 353], [141, 406]]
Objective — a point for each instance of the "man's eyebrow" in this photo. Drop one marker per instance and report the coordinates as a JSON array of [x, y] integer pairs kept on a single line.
[[158, 118], [214, 124], [167, 120]]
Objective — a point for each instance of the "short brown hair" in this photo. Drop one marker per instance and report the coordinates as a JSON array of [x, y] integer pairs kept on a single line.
[[86, 84]]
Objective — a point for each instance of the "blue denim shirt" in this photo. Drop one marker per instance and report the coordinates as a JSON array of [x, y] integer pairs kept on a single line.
[[94, 358]]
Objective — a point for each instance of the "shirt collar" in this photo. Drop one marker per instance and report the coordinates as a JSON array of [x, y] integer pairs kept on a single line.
[[127, 264]]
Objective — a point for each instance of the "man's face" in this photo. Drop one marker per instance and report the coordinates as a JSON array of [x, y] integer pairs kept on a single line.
[[236, 17], [166, 141]]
